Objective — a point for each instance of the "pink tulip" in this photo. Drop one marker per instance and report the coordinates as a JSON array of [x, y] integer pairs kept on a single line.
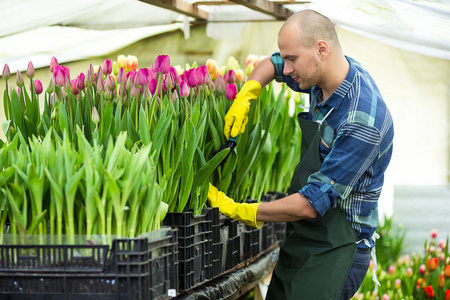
[[385, 297], [80, 82], [19, 79], [133, 91], [220, 85], [231, 91], [30, 70], [230, 77], [409, 272], [422, 269], [434, 233], [192, 77], [202, 71], [110, 83], [121, 76], [184, 89], [75, 90], [100, 86], [152, 85], [151, 74], [397, 283], [168, 82], [162, 64], [53, 64], [107, 66], [6, 73], [59, 76], [391, 269], [38, 86], [142, 77], [174, 74]]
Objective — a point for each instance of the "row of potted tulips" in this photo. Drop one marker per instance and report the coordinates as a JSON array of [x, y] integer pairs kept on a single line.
[[175, 115]]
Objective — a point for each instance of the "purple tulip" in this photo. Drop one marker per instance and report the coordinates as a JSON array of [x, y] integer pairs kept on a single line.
[[184, 89], [53, 64], [151, 74], [30, 70], [220, 85], [121, 76], [230, 77], [202, 71], [6, 73], [231, 91], [38, 86], [192, 77], [162, 64], [142, 77], [59, 76], [100, 86], [107, 66], [80, 82]]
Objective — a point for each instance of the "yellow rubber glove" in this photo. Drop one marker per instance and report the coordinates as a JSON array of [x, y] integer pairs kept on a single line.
[[243, 212], [237, 116]]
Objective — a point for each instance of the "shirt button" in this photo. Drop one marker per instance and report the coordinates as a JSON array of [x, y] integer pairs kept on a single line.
[[317, 110], [331, 182]]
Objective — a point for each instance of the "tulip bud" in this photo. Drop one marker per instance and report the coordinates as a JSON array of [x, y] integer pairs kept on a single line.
[[391, 270], [409, 272], [30, 70], [202, 71], [75, 90], [422, 269], [81, 82], [211, 65], [121, 76], [19, 79], [251, 60], [432, 264], [434, 233], [429, 292], [95, 116], [100, 86], [174, 96], [68, 86], [385, 297], [447, 295], [249, 69], [115, 68], [231, 91], [107, 66], [230, 77], [397, 283], [220, 85], [133, 91], [441, 281], [129, 83], [50, 87], [122, 91], [53, 64], [38, 86], [232, 63], [168, 82], [110, 83], [184, 89], [192, 77], [147, 93], [55, 110], [6, 73], [59, 76], [121, 61], [162, 64], [108, 94]]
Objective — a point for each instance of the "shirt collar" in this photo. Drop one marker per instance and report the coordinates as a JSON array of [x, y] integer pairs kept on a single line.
[[339, 94]]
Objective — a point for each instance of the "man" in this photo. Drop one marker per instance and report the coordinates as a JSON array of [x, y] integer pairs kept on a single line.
[[331, 210]]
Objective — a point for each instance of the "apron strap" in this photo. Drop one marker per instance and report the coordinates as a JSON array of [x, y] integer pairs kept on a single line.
[[323, 119], [374, 237]]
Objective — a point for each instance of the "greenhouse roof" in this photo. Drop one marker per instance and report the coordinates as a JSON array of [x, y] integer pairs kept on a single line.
[[37, 30]]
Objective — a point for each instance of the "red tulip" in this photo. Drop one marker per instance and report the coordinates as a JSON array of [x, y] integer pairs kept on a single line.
[[231, 91], [184, 89], [107, 66], [441, 281], [429, 292], [432, 264], [38, 86], [447, 271], [447, 295], [6, 73], [30, 70], [162, 64], [53, 64], [434, 233]]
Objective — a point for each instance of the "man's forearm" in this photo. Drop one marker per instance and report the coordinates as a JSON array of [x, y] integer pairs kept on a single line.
[[291, 208], [264, 72]]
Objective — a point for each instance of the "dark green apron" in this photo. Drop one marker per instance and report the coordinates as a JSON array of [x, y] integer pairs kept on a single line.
[[317, 254]]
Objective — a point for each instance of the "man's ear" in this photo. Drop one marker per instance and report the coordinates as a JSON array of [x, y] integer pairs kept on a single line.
[[322, 48]]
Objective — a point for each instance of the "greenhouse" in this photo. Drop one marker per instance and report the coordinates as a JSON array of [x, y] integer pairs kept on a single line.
[[225, 149]]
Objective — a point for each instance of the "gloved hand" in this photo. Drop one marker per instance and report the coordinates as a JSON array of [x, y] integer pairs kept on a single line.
[[237, 116], [244, 212]]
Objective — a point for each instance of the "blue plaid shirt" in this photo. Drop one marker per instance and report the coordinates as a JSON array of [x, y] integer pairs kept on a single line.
[[356, 148]]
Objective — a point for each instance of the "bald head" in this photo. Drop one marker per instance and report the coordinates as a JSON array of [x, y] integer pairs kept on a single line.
[[312, 27]]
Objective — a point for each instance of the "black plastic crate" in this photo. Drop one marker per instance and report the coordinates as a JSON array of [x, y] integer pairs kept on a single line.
[[251, 242], [195, 261], [139, 268]]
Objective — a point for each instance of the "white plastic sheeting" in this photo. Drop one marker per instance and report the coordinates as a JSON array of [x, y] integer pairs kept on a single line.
[[36, 30]]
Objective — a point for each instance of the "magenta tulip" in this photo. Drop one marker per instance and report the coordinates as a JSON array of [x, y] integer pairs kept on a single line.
[[152, 85], [174, 74], [80, 82], [75, 90], [53, 64], [192, 77], [59, 76], [107, 66], [110, 83], [230, 77], [121, 76], [231, 91], [142, 77], [202, 71], [6, 73], [133, 91], [162, 64], [184, 89], [30, 70], [38, 86]]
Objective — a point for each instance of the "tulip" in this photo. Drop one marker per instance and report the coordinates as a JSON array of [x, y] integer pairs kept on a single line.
[[131, 63], [110, 82], [441, 281], [121, 61], [152, 85], [121, 76], [38, 86], [174, 74], [30, 70], [429, 292], [391, 270], [432, 264], [422, 269], [68, 86], [232, 63], [107, 66], [95, 115], [19, 79], [231, 91], [168, 82], [385, 297], [249, 69], [251, 60], [75, 90], [129, 83], [434, 233], [240, 76], [447, 295], [397, 283], [162, 64], [115, 68], [6, 73], [151, 75], [230, 77], [122, 90], [59, 76], [174, 96], [220, 85], [142, 77], [100, 86], [409, 272], [192, 77], [447, 271], [89, 79], [442, 244], [201, 72], [134, 91], [184, 89], [53, 64], [211, 65], [80, 82], [51, 87]]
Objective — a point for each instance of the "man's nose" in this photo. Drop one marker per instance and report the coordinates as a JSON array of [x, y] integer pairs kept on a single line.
[[287, 69]]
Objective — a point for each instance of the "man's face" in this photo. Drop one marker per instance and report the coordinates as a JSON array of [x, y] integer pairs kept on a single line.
[[300, 62]]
